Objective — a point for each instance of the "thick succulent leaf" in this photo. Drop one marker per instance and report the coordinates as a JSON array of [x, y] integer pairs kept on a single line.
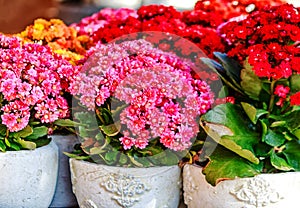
[[27, 144], [3, 129], [216, 67], [279, 162], [112, 129], [225, 164], [229, 127], [292, 153], [292, 120], [250, 83], [66, 123], [232, 68], [23, 133], [253, 113], [274, 139], [295, 83], [38, 132]]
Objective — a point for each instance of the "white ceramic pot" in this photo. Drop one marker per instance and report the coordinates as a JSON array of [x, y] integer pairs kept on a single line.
[[28, 177], [63, 196], [278, 190], [101, 186]]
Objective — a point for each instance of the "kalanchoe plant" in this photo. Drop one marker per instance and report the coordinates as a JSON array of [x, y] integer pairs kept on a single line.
[[259, 133], [62, 39], [31, 93], [144, 105]]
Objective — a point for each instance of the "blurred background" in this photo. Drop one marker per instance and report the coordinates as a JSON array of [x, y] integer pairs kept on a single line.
[[15, 15]]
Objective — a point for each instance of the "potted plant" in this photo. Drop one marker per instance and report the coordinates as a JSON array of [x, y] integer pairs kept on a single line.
[[254, 139], [65, 41], [136, 117], [31, 78]]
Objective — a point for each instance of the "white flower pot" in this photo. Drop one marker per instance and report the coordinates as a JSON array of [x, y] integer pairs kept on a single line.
[[63, 196], [28, 177], [278, 190], [101, 186]]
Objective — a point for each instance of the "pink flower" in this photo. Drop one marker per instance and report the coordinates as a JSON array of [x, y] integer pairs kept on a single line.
[[127, 142], [281, 91]]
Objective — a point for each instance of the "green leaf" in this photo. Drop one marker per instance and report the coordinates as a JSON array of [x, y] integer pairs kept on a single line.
[[292, 120], [170, 159], [292, 153], [232, 67], [3, 129], [2, 146], [223, 92], [111, 156], [7, 143], [297, 133], [66, 123], [23, 133], [27, 144], [75, 156], [225, 164], [229, 127], [112, 129], [279, 162], [123, 159], [250, 83], [274, 139], [38, 132], [295, 83], [224, 77], [96, 150], [253, 113]]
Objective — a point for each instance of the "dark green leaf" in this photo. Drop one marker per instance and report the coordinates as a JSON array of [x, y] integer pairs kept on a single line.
[[222, 74], [66, 123], [227, 125], [111, 156], [292, 120], [112, 129], [38, 132], [274, 139], [123, 159], [253, 113], [2, 146], [279, 162], [292, 153], [23, 133], [225, 164], [3, 129], [75, 156], [232, 67], [223, 92], [295, 83], [250, 83]]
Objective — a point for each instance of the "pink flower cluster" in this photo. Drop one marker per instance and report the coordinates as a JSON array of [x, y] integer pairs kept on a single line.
[[90, 24], [163, 98], [30, 84]]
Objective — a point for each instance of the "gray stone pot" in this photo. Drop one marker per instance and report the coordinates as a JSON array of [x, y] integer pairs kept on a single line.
[[28, 177]]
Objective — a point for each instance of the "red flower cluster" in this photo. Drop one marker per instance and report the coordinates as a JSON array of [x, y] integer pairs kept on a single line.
[[226, 9], [269, 38], [196, 28]]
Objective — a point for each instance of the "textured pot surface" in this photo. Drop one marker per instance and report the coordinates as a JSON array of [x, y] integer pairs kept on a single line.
[[278, 190], [101, 186], [28, 177], [63, 196]]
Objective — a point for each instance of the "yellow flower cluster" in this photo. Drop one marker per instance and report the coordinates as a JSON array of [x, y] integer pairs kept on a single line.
[[59, 37]]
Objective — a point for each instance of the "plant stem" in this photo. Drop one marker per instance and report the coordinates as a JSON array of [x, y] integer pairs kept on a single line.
[[272, 98]]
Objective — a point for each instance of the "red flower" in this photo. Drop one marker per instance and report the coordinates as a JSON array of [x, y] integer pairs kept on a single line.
[[295, 99]]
